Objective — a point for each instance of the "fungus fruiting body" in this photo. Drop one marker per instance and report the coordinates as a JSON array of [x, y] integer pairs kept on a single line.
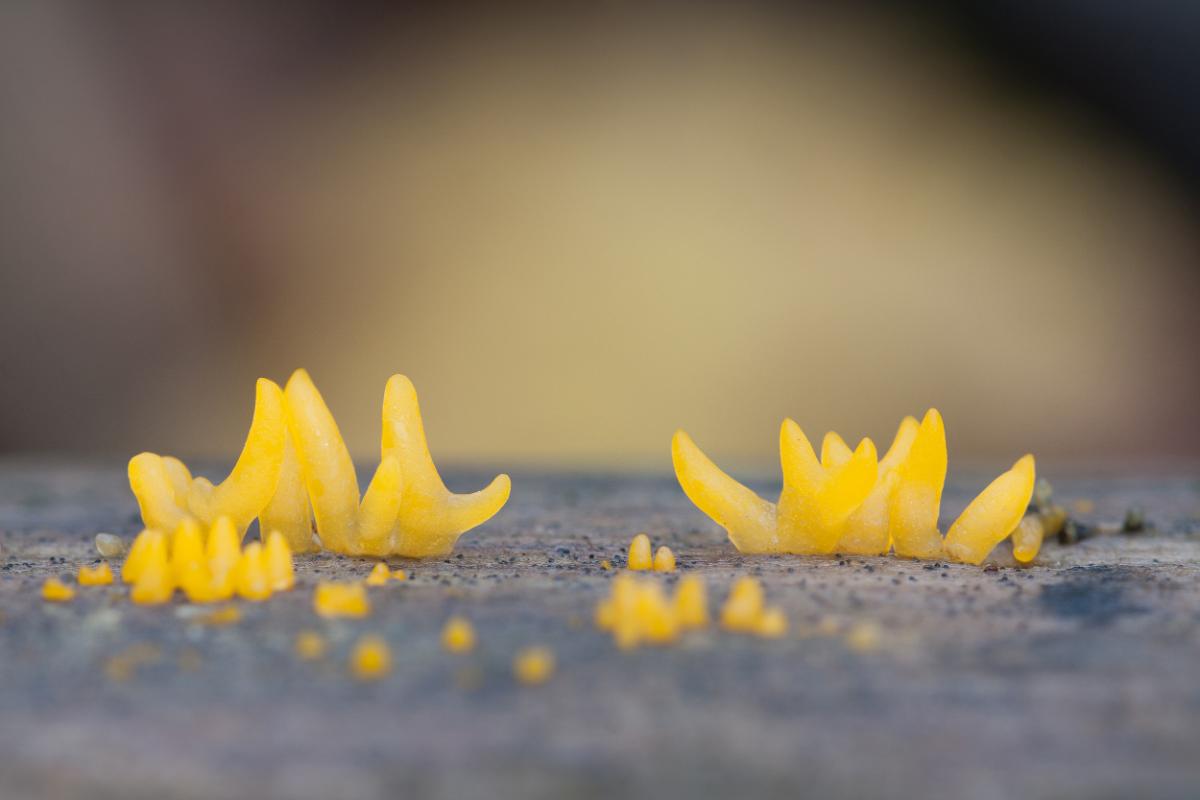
[[371, 658], [99, 575], [533, 665], [640, 557], [341, 600], [295, 469], [638, 611], [56, 591], [458, 636], [664, 560], [851, 501]]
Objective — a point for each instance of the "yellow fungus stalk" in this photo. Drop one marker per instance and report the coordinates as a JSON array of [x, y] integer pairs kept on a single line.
[[289, 512], [1027, 538], [638, 611], [281, 574], [458, 636], [155, 582], [691, 602], [55, 591], [379, 576], [640, 557], [250, 575], [992, 515], [148, 542], [533, 665], [744, 606], [341, 600], [371, 658], [664, 560], [99, 575]]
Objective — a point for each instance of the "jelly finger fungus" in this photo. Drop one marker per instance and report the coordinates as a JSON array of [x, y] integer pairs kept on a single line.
[[533, 665], [851, 501], [638, 611], [295, 468]]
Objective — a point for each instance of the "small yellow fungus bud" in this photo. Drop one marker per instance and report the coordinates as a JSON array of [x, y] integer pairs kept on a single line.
[[371, 658], [400, 575], [99, 575], [744, 605], [156, 583], [187, 548], [992, 515], [639, 553], [56, 591], [691, 602], [864, 637], [310, 645], [664, 560], [250, 577], [534, 665], [773, 624], [379, 576], [281, 575], [139, 552], [109, 546], [606, 565], [201, 586], [1027, 539], [341, 600], [458, 636]]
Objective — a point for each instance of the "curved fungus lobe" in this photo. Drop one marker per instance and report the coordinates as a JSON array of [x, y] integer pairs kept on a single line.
[[167, 494]]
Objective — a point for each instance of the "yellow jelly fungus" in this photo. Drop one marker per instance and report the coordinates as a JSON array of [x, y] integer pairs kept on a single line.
[[863, 637], [380, 575], [187, 549], [399, 575], [341, 600], [281, 574], [533, 665], [664, 560], [406, 510], [1027, 538], [310, 645], [638, 611], [250, 575], [691, 602], [744, 606], [606, 565], [772, 624], [991, 516], [289, 510], [458, 636], [139, 552], [639, 553], [56, 591], [99, 575], [849, 501], [371, 658], [167, 493], [156, 581]]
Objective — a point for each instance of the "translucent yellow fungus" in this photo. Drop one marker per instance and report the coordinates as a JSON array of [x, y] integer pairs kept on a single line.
[[167, 494], [406, 509], [310, 645], [533, 665], [99, 575], [139, 552], [281, 574], [250, 575], [379, 576], [187, 549], [56, 591], [399, 575], [155, 581], [664, 560], [640, 557], [371, 658], [289, 512], [224, 550], [772, 624], [744, 606], [639, 612], [992, 515], [458, 636], [1027, 538], [849, 501], [341, 600], [864, 637], [691, 602]]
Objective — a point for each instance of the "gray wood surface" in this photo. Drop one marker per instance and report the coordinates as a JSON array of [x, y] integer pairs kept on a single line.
[[1077, 677]]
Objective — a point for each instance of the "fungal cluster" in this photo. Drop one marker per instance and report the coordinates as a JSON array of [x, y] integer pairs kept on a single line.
[[295, 468], [853, 502]]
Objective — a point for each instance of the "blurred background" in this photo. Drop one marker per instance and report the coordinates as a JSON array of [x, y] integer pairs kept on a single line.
[[579, 230]]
